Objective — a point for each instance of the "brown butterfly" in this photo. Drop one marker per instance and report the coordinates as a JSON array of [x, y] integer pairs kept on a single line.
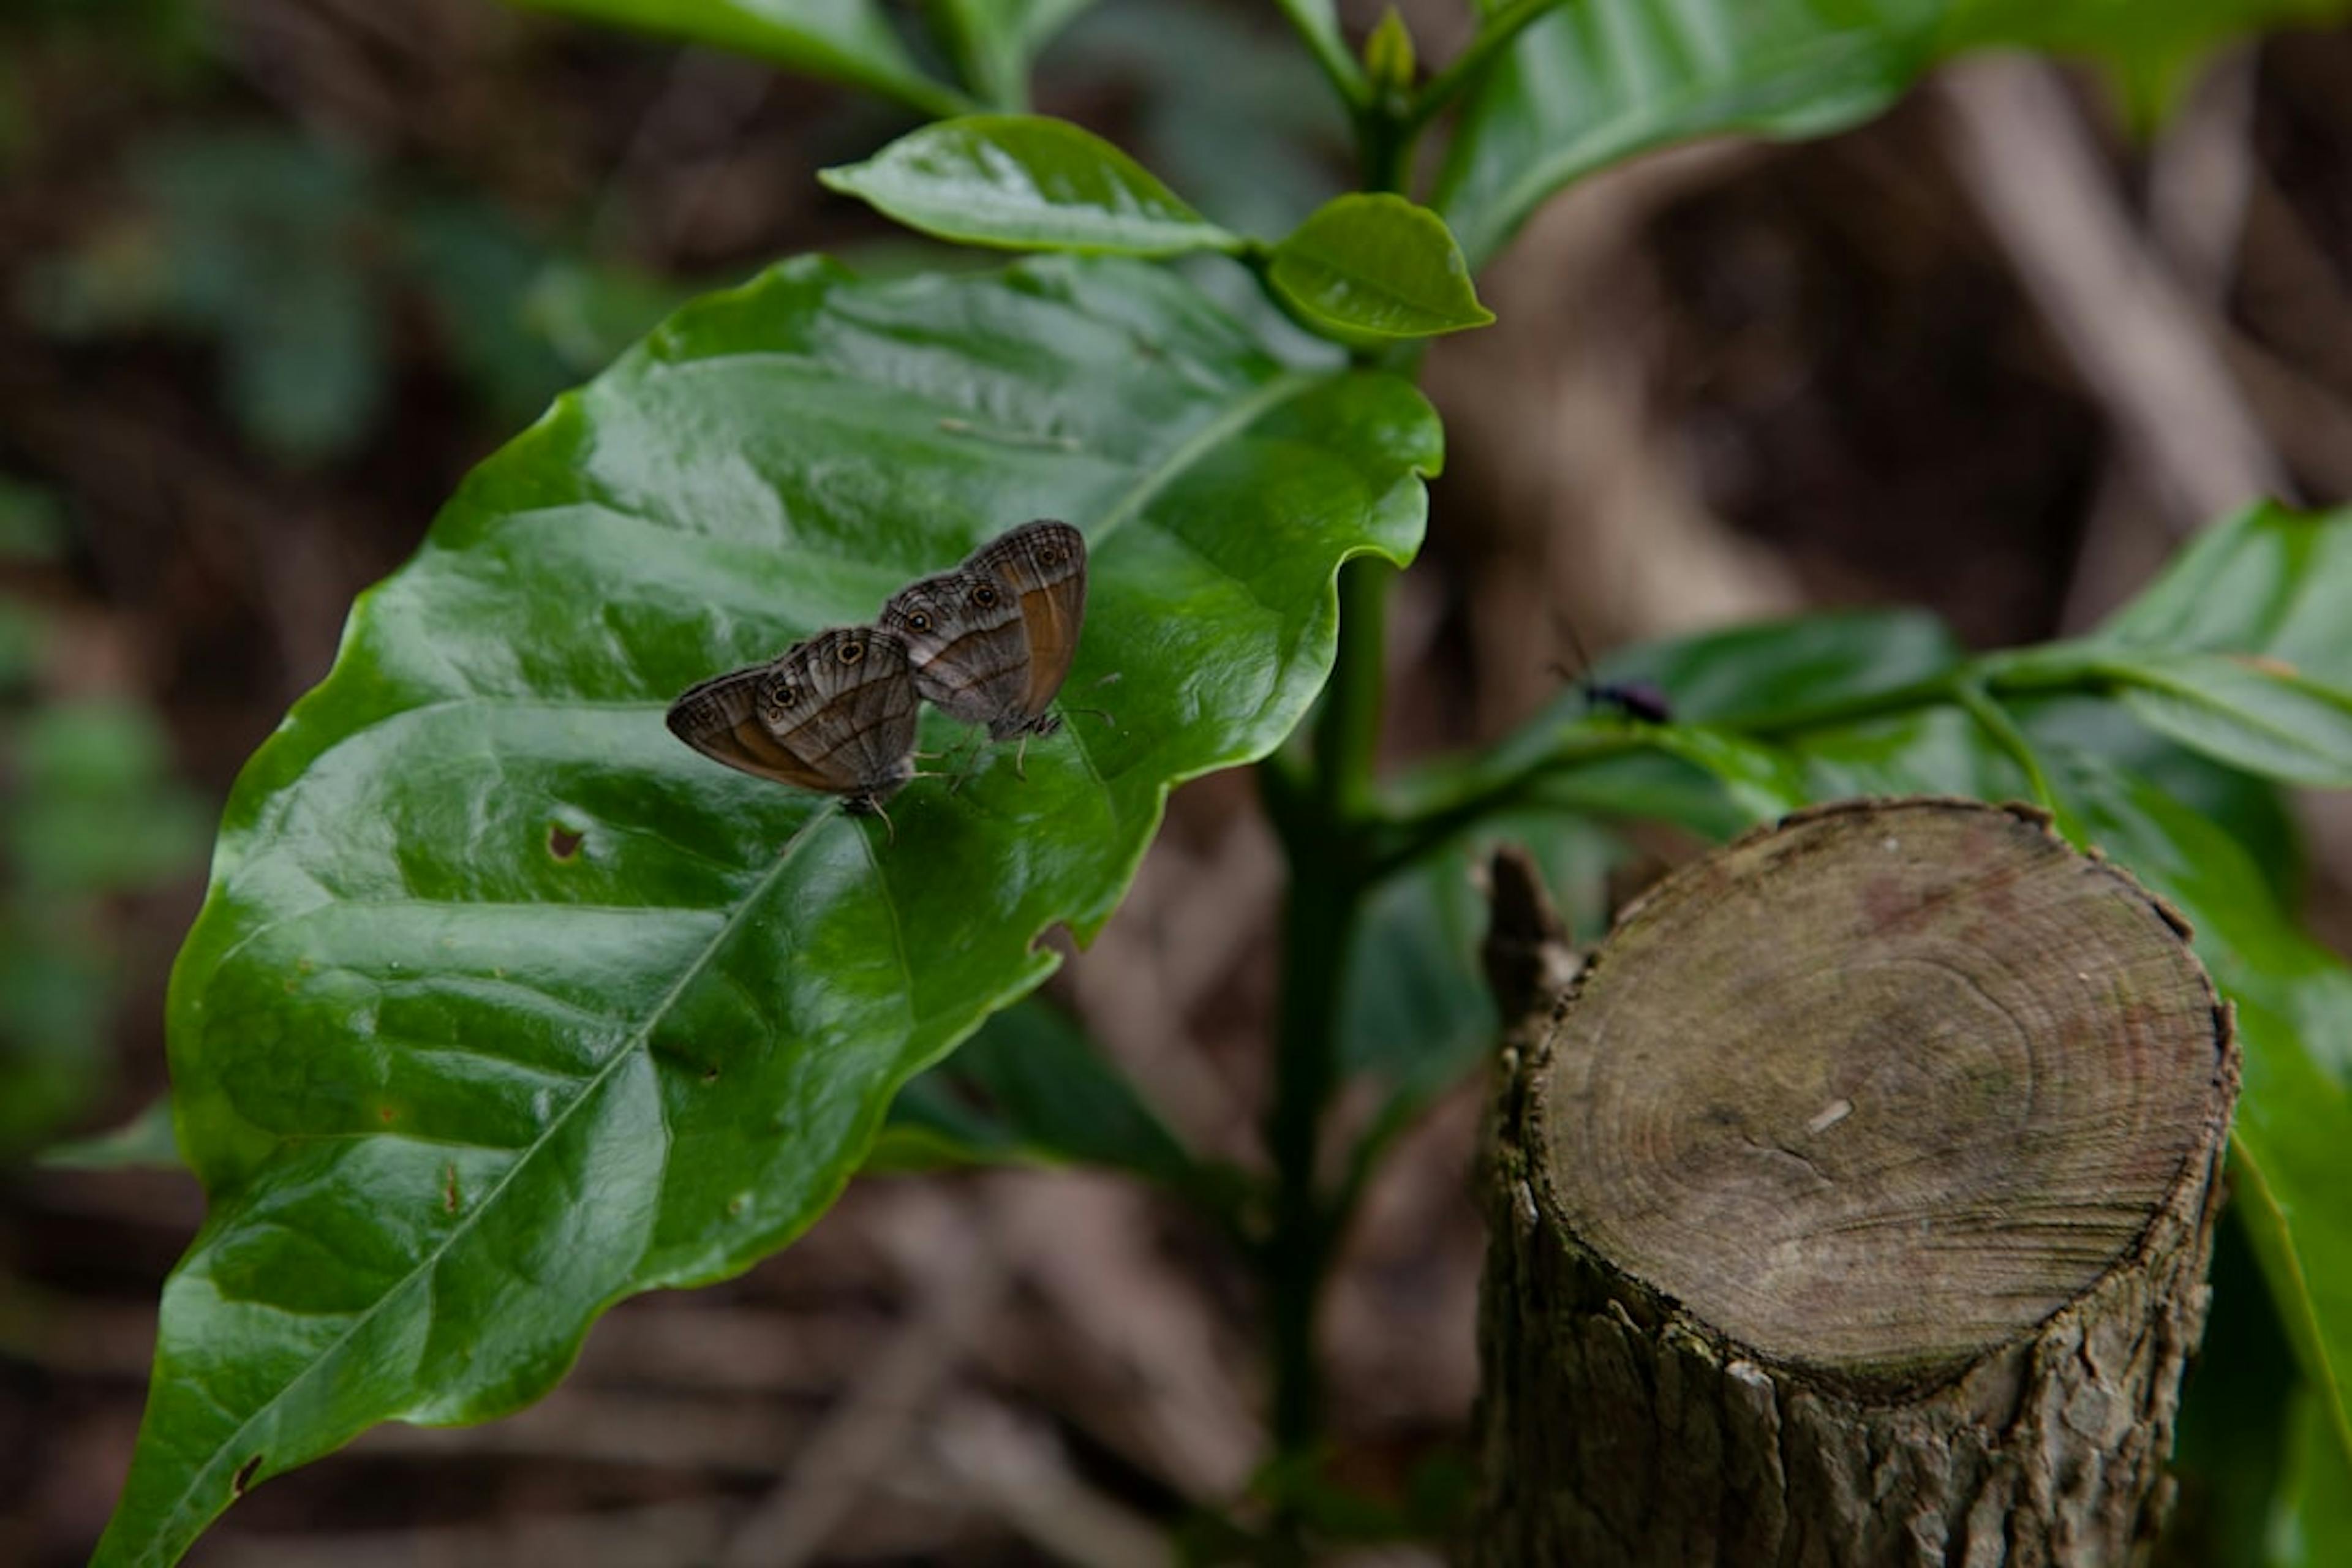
[[991, 642], [834, 713]]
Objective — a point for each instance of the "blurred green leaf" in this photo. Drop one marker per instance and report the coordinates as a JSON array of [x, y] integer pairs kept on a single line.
[[2235, 1407], [844, 41], [1415, 1013], [1929, 750], [1389, 62], [2292, 999], [2247, 809], [1768, 670], [587, 312], [2270, 583], [146, 1141], [98, 810], [1763, 781], [1376, 266], [527, 1005], [995, 40], [56, 984], [2250, 717], [23, 635], [1030, 1087], [1588, 84], [1024, 181], [32, 523], [479, 269], [2312, 1525]]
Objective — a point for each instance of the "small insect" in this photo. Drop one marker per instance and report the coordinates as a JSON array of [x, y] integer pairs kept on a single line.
[[1644, 702]]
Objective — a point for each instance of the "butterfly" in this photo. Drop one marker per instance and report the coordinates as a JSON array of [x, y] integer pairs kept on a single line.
[[989, 642], [834, 713]]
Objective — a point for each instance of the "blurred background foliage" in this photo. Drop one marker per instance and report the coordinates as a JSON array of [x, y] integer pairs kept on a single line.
[[275, 273]]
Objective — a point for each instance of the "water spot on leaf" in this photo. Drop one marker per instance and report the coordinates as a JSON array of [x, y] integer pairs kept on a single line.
[[562, 842], [738, 1202], [244, 1478]]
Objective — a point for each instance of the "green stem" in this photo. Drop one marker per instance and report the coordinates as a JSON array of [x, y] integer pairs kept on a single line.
[[1494, 37], [1320, 819], [2002, 730], [1340, 67]]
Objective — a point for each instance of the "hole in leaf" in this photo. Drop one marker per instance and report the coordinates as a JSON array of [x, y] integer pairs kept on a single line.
[[562, 842], [244, 1478], [711, 1074]]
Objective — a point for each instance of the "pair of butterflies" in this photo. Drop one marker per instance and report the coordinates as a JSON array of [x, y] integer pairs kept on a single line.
[[988, 643]]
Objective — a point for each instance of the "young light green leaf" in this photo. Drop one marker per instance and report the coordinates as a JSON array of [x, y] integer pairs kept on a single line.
[[504, 1004], [1376, 266], [1024, 181], [845, 40], [2261, 720], [2293, 1004]]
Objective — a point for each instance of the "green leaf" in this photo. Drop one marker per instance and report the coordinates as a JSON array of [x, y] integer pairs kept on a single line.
[[1768, 671], [1597, 82], [504, 1004], [994, 42], [145, 1141], [2148, 47], [845, 40], [2293, 1004], [1024, 181], [2243, 714], [1376, 266], [1415, 1013], [2235, 1408], [2312, 1525], [1763, 780], [1030, 1087], [2270, 583]]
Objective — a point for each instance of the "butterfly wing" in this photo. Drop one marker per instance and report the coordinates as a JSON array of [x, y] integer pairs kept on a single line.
[[722, 718], [862, 728], [1045, 564], [962, 630], [836, 714]]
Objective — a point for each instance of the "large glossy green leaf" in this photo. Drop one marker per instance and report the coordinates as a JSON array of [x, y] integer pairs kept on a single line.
[[1597, 80], [846, 40], [2270, 583], [1376, 266], [504, 1004], [2293, 1142], [1026, 182]]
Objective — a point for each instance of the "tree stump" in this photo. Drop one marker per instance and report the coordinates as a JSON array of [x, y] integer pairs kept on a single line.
[[1852, 1207]]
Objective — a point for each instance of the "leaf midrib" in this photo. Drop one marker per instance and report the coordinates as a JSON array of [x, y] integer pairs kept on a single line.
[[524, 1158], [1149, 485]]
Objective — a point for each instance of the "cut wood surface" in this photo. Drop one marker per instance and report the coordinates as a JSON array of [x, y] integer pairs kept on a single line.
[[1852, 1206]]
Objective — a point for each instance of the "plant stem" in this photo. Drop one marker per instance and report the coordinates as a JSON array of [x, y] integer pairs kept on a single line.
[[2002, 730], [1494, 35], [1321, 821]]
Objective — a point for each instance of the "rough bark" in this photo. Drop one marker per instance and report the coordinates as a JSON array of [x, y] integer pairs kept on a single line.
[[1852, 1207]]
